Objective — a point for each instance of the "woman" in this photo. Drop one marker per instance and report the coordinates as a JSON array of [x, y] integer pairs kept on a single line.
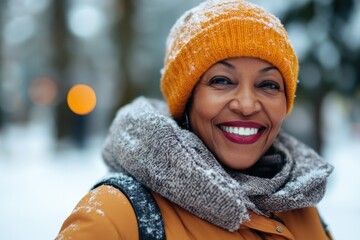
[[216, 162]]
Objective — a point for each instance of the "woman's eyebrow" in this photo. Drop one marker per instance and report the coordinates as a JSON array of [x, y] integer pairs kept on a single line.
[[227, 64], [264, 70]]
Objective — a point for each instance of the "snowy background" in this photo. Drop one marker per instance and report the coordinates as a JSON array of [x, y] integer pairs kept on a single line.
[[39, 184]]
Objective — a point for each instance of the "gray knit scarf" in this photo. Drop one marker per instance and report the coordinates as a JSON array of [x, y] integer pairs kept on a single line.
[[147, 143]]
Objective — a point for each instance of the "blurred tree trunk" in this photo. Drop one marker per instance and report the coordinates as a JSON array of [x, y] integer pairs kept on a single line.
[[2, 20], [68, 124], [124, 36], [319, 98], [60, 58]]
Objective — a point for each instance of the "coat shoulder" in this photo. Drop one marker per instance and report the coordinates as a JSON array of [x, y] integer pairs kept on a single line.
[[103, 213]]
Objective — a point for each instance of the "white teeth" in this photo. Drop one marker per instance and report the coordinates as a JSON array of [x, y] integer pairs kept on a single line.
[[240, 130]]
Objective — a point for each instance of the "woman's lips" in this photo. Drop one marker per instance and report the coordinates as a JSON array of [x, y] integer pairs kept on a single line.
[[242, 132]]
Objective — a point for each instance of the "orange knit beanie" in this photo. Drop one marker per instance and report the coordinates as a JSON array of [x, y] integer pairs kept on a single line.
[[220, 29]]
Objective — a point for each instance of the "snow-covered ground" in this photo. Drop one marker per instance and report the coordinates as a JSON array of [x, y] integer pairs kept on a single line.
[[41, 185]]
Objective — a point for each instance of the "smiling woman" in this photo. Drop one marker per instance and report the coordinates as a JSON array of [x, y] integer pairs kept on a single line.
[[212, 157]]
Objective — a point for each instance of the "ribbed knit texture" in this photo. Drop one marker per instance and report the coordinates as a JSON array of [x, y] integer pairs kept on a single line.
[[220, 29], [147, 143]]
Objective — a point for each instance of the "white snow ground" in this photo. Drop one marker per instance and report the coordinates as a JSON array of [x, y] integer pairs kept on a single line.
[[40, 186]]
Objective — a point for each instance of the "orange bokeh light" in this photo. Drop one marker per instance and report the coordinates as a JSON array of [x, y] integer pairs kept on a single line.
[[81, 99]]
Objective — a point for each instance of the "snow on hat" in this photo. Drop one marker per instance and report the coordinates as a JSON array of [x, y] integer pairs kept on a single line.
[[220, 29]]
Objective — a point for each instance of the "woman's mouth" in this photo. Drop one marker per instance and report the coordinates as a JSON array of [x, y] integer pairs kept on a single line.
[[242, 132]]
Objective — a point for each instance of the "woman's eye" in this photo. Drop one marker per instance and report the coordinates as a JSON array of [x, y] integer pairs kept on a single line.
[[270, 85], [220, 81]]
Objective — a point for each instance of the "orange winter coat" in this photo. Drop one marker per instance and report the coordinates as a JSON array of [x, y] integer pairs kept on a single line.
[[105, 213]]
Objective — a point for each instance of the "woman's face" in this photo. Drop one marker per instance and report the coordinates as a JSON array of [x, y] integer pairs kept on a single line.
[[237, 109]]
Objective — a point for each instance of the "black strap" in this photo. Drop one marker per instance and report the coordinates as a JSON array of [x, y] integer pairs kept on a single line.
[[147, 211], [325, 227]]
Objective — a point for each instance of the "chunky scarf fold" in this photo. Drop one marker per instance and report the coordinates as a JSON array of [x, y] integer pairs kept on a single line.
[[147, 143]]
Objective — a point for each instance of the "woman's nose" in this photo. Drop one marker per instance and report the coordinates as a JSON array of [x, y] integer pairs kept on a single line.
[[245, 102]]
